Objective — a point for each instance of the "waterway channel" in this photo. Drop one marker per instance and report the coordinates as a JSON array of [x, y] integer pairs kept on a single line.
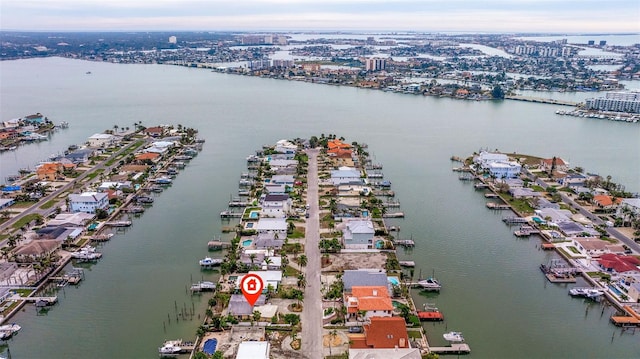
[[493, 290]]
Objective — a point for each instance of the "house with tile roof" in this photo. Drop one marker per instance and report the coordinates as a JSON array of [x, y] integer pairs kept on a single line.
[[374, 301], [337, 144], [614, 263], [50, 171], [605, 201], [561, 165], [381, 333]]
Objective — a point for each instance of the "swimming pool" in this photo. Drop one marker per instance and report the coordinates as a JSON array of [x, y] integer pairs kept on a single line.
[[615, 290], [209, 346], [254, 214], [393, 280], [249, 225], [247, 242]]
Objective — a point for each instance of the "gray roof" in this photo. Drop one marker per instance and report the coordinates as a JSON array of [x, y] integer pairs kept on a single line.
[[268, 240], [238, 305], [359, 277]]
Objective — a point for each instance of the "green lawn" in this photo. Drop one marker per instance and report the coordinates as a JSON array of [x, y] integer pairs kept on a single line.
[[26, 219], [289, 271], [49, 204]]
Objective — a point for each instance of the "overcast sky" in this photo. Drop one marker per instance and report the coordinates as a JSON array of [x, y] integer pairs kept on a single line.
[[385, 15]]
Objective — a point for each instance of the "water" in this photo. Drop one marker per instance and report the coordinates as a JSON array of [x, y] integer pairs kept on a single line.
[[492, 291]]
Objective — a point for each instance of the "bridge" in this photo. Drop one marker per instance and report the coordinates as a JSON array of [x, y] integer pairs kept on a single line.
[[541, 100]]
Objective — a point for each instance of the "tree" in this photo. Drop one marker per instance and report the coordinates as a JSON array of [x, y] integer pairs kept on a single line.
[[497, 92], [302, 282], [256, 315], [303, 260]]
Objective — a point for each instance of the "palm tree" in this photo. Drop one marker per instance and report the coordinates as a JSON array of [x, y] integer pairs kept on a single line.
[[302, 260], [332, 335], [302, 282]]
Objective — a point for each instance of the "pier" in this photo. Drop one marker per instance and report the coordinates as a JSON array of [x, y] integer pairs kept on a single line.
[[457, 348], [405, 242], [229, 214], [393, 215], [514, 220], [498, 206]]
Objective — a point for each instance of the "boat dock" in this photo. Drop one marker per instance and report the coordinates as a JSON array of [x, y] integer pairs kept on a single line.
[[525, 231], [217, 245], [203, 286], [455, 348], [229, 214], [490, 195], [407, 263], [405, 243], [498, 206], [393, 215], [481, 185], [514, 220], [118, 224], [238, 204]]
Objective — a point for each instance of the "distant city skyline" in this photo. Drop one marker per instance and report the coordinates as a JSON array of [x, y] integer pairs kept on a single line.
[[570, 16]]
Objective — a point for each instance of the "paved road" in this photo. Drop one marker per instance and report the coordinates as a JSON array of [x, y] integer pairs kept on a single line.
[[45, 212], [594, 218], [312, 312]]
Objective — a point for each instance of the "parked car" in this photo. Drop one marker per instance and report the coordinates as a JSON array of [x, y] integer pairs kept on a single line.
[[355, 329]]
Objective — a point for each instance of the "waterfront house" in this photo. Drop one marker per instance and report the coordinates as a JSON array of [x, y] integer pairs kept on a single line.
[[395, 353], [484, 158], [88, 202], [287, 148], [240, 308], [283, 166], [36, 249], [102, 140], [615, 263], [254, 350], [272, 225], [358, 234], [269, 277], [276, 205], [80, 156], [60, 233], [542, 202], [50, 171], [374, 301], [573, 180], [524, 193], [364, 277], [156, 131], [147, 158], [160, 147], [341, 157], [268, 241], [252, 259], [383, 332], [275, 188], [346, 175], [503, 169], [286, 180], [124, 185], [71, 219], [547, 163], [337, 144], [595, 247]]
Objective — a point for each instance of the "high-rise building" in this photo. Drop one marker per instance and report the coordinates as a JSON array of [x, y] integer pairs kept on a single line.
[[173, 40], [603, 42], [616, 101], [374, 64]]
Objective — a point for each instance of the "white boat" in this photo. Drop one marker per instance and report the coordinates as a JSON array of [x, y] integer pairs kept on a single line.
[[8, 330], [453, 337], [430, 284], [170, 347], [86, 253], [587, 292], [210, 262]]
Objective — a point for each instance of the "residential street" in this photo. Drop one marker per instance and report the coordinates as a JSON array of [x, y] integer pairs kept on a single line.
[[312, 313]]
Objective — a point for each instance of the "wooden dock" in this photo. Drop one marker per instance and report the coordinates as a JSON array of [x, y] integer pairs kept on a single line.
[[404, 242], [455, 348], [498, 206], [393, 215], [514, 220], [229, 214]]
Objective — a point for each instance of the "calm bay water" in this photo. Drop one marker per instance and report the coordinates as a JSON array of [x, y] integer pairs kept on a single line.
[[493, 291]]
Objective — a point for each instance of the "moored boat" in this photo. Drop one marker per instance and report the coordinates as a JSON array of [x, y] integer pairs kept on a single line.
[[453, 337], [210, 262], [430, 284]]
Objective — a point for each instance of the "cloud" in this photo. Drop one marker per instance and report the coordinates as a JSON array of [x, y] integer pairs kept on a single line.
[[419, 15]]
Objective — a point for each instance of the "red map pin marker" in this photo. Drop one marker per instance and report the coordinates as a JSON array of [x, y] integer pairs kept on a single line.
[[251, 286]]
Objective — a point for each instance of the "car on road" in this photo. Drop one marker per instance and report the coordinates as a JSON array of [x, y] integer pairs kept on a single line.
[[355, 329]]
